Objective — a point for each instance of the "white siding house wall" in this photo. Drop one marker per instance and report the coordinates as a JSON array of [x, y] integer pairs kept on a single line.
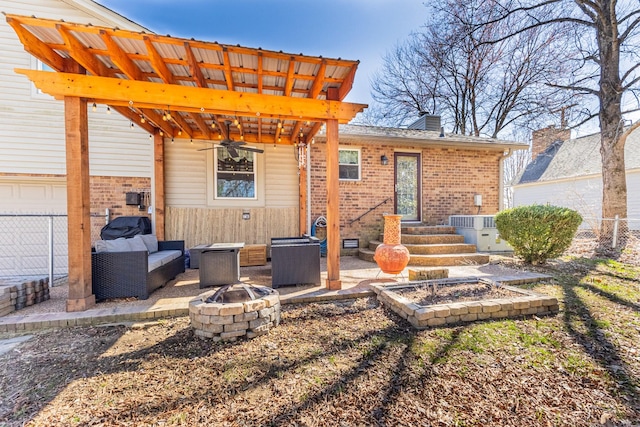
[[281, 177], [32, 123], [581, 194], [189, 183]]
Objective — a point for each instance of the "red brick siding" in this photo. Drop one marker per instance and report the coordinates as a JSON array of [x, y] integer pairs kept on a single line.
[[450, 178], [110, 192]]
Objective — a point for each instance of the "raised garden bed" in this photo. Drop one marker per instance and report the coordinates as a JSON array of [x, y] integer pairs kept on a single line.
[[448, 301]]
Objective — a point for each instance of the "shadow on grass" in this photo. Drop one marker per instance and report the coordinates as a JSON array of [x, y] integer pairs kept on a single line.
[[581, 324]]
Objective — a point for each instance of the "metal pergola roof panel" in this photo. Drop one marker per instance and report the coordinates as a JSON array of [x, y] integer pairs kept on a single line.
[[143, 57]]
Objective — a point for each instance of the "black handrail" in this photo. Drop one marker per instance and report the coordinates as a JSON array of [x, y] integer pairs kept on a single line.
[[370, 209]]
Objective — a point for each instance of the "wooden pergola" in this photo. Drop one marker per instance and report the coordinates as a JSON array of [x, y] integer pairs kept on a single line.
[[174, 87]]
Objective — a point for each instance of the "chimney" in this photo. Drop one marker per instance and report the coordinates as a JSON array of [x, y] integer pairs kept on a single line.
[[541, 139], [426, 122]]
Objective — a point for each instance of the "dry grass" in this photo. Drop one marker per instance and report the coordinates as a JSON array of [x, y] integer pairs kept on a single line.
[[349, 364]]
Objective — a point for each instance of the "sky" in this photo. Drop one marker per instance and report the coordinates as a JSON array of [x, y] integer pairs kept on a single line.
[[363, 30]]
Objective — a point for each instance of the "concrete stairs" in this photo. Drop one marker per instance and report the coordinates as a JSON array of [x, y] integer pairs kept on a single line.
[[432, 246]]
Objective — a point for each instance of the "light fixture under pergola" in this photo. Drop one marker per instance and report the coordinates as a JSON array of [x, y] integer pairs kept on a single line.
[[196, 86]]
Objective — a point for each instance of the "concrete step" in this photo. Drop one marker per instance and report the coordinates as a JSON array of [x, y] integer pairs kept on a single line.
[[427, 229], [433, 249], [439, 260], [429, 239]]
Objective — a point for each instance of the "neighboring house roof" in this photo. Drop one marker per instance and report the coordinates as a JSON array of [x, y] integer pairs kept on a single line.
[[421, 137], [103, 13], [575, 158]]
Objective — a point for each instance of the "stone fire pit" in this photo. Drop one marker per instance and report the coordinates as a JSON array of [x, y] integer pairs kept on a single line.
[[235, 311]]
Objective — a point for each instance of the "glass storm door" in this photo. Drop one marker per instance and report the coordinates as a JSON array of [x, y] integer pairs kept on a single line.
[[407, 185]]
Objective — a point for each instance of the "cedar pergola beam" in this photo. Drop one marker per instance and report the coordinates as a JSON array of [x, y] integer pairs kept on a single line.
[[157, 62], [184, 98], [82, 57], [37, 48], [182, 123], [202, 125], [135, 118], [227, 70], [156, 119], [196, 72], [316, 87], [120, 58], [288, 84]]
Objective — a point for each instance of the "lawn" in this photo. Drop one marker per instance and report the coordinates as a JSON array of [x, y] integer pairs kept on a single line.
[[351, 363]]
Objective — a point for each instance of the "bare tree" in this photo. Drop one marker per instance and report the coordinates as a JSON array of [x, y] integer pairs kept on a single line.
[[478, 88], [602, 50]]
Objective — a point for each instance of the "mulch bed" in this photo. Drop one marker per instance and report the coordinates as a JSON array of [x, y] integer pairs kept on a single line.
[[349, 363], [450, 293]]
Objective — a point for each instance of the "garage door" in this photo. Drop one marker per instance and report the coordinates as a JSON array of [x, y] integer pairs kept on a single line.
[[32, 212]]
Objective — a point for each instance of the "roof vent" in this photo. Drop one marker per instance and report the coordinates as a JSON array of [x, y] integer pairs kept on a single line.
[[426, 122]]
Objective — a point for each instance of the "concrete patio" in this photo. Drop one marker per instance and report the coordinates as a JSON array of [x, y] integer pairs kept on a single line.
[[173, 300]]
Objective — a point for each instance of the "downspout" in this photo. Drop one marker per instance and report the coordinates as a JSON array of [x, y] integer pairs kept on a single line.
[[505, 156], [308, 165]]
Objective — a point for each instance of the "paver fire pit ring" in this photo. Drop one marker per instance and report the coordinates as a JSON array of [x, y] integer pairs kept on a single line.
[[235, 311]]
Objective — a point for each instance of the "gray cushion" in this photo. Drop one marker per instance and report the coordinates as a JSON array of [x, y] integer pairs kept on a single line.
[[118, 245], [137, 244], [150, 240], [155, 260], [169, 255]]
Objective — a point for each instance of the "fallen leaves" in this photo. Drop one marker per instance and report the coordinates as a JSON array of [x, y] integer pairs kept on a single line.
[[349, 363]]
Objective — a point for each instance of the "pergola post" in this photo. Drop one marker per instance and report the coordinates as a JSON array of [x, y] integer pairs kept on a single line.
[[78, 204], [158, 177], [333, 201]]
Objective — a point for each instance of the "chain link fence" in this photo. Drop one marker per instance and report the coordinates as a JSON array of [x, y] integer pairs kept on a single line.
[[33, 245], [616, 238]]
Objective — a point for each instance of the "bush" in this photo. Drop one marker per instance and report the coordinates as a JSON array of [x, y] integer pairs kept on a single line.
[[538, 232]]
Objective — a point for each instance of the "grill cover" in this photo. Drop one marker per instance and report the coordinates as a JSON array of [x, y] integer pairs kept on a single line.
[[126, 226]]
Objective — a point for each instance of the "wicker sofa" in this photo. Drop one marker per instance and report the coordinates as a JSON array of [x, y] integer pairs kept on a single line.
[[124, 268]]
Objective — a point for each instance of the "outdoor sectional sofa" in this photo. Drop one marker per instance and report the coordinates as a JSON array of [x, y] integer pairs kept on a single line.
[[134, 267]]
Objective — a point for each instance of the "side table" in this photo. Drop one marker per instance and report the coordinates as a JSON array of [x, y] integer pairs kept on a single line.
[[220, 264]]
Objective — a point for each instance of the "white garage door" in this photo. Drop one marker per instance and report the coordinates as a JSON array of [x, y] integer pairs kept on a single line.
[[31, 211]]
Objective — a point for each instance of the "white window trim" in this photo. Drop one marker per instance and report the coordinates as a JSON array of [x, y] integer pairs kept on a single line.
[[230, 202], [359, 150]]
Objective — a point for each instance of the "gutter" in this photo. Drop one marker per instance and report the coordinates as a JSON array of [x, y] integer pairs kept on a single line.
[[505, 155]]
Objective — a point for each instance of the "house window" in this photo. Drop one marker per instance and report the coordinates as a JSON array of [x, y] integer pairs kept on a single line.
[[349, 164], [40, 66], [235, 177]]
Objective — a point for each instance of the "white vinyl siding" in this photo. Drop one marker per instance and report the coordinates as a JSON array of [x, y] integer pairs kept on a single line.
[[282, 186], [189, 177], [185, 173], [582, 194], [32, 138]]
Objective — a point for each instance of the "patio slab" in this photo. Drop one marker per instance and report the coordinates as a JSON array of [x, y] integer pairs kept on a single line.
[[173, 300]]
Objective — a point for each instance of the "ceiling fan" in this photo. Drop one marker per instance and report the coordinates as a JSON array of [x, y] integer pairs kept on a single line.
[[233, 146]]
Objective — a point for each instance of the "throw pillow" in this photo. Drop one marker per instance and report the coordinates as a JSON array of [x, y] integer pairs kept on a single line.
[[118, 245], [137, 244], [151, 241]]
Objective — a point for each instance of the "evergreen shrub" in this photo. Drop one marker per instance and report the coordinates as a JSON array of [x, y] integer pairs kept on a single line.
[[538, 232]]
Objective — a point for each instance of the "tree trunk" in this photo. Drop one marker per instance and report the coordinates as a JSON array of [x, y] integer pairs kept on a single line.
[[614, 181]]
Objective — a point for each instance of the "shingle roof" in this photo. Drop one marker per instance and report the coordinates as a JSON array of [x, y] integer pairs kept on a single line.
[[421, 137], [575, 158]]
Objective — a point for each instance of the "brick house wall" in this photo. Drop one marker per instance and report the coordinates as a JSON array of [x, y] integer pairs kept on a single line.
[[450, 177], [110, 192]]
